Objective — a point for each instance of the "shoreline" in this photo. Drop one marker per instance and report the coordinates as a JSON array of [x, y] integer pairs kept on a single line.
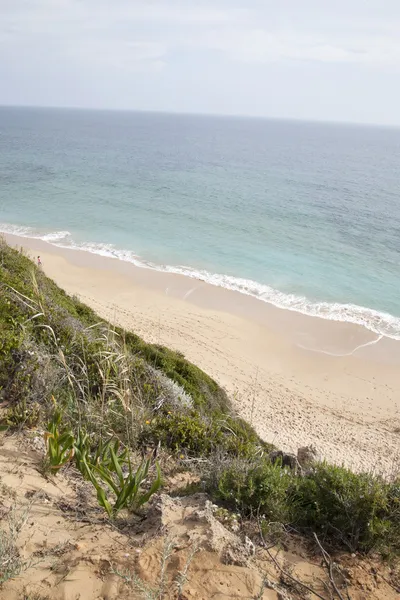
[[300, 379], [376, 321]]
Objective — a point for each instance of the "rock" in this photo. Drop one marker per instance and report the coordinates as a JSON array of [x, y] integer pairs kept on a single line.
[[235, 527], [348, 573], [307, 456], [238, 553], [250, 548], [234, 555], [287, 460], [38, 443], [283, 595], [213, 536], [164, 510]]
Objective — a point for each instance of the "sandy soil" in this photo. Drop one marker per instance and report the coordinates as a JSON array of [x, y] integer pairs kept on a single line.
[[299, 380], [71, 552]]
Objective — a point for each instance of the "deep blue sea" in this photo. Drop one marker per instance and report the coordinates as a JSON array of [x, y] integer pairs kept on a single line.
[[303, 215]]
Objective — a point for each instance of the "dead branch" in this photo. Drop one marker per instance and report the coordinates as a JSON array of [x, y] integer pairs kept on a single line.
[[282, 570], [329, 567]]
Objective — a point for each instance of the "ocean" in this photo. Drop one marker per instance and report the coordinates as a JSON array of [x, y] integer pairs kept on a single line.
[[305, 216]]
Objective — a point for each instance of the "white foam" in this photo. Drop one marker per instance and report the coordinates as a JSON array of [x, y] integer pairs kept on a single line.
[[30, 232], [20, 230], [381, 323], [57, 236]]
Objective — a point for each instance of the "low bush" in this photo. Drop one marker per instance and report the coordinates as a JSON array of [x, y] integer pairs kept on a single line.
[[359, 511], [238, 438], [188, 432], [253, 488], [199, 435], [204, 391], [23, 415]]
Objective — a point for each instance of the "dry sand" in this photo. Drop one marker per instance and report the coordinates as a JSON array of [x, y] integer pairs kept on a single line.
[[299, 380], [71, 552]]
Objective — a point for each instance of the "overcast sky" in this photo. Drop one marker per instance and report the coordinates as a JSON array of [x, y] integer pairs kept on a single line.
[[309, 59]]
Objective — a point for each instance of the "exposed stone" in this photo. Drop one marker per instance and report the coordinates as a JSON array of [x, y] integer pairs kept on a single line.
[[281, 593], [213, 536], [287, 460], [233, 555], [250, 548], [307, 456]]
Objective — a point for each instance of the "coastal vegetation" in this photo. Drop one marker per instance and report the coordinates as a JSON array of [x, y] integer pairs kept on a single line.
[[114, 406]]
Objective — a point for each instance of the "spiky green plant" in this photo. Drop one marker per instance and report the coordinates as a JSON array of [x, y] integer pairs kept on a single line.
[[60, 446], [127, 489], [110, 467]]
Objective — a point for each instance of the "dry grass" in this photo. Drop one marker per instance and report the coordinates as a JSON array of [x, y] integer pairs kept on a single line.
[[34, 596], [11, 563]]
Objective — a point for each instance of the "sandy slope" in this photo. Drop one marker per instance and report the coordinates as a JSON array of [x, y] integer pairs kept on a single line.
[[75, 554], [298, 379]]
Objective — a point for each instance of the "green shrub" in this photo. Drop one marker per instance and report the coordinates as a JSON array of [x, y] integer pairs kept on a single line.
[[188, 432], [64, 323], [10, 360], [21, 383], [359, 511], [199, 435], [253, 488], [23, 415], [239, 438], [204, 391]]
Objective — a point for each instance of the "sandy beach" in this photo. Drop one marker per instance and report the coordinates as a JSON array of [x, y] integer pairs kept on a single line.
[[299, 380]]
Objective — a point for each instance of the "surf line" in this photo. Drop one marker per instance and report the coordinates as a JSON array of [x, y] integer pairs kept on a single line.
[[371, 343]]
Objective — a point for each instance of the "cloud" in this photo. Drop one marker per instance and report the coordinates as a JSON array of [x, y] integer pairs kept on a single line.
[[129, 32], [119, 54], [261, 46], [232, 56], [44, 16]]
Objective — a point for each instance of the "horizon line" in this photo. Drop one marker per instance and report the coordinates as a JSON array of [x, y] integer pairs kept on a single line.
[[205, 114]]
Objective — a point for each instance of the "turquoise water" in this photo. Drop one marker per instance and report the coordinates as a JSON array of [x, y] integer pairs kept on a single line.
[[303, 215]]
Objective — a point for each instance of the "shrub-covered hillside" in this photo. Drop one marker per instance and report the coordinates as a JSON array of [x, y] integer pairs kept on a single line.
[[87, 382], [53, 345]]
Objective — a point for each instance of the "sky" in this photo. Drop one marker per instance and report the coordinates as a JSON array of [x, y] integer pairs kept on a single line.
[[304, 59]]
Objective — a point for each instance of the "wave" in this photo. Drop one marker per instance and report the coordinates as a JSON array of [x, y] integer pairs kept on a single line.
[[57, 236], [378, 322], [381, 323], [30, 232]]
